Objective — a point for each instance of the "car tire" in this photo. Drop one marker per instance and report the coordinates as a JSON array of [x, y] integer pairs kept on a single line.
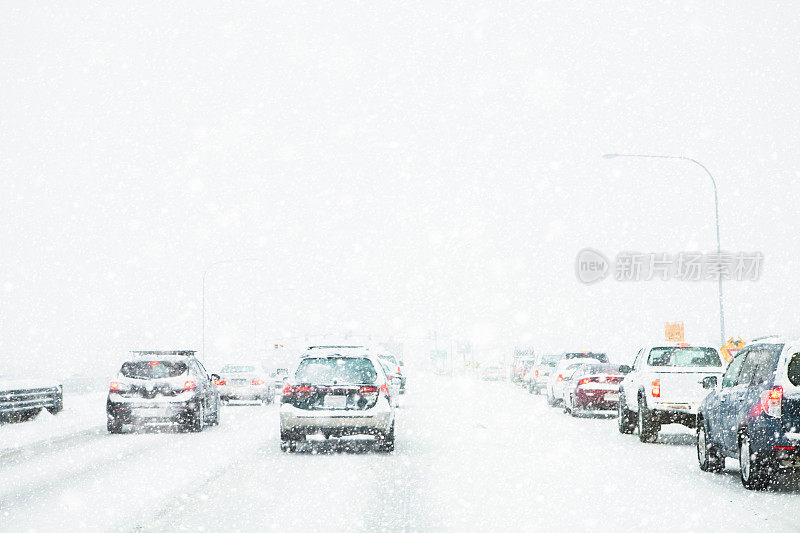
[[551, 400], [708, 457], [626, 419], [648, 428], [753, 469], [215, 419], [197, 420], [386, 441], [113, 425], [287, 443], [572, 410]]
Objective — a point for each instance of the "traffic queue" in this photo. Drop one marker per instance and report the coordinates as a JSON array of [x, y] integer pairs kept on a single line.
[[746, 409]]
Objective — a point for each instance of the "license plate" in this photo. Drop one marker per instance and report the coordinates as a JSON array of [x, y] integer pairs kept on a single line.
[[612, 396], [335, 401], [239, 382], [153, 412]]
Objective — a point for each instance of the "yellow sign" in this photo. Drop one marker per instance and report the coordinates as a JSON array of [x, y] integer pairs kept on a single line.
[[731, 348], [673, 331]]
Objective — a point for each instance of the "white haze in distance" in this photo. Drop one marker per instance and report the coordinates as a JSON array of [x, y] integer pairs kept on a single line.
[[396, 169]]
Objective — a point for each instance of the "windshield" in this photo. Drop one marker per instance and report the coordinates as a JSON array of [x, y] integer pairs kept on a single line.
[[153, 369], [588, 355], [550, 360], [238, 369], [335, 370], [599, 369], [683, 356]]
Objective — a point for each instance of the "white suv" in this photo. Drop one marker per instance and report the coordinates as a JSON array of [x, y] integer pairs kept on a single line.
[[336, 392]]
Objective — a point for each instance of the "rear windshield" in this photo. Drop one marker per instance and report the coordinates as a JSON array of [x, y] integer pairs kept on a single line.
[[600, 369], [236, 369], [683, 356], [153, 369], [590, 355], [794, 370], [335, 370], [550, 360]]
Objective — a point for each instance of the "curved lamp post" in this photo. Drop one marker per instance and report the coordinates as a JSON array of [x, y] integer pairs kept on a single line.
[[716, 218]]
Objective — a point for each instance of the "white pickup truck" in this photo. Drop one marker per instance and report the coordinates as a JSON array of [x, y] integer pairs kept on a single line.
[[665, 386]]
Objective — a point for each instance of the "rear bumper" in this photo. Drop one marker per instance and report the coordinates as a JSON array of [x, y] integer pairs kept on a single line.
[[151, 412], [379, 419], [245, 393]]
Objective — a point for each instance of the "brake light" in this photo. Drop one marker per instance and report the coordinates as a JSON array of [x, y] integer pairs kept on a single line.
[[784, 447], [560, 378], [656, 391], [256, 382], [288, 390], [368, 389], [113, 387], [189, 385], [399, 371], [536, 373], [770, 404], [584, 381], [385, 390], [219, 382], [154, 363]]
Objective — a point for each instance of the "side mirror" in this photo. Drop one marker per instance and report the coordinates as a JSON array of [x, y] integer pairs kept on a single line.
[[709, 382], [624, 369]]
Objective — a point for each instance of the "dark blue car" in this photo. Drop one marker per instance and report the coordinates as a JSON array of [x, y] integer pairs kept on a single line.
[[753, 414]]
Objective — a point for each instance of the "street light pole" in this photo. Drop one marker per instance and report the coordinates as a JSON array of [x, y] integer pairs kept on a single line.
[[716, 218], [205, 273]]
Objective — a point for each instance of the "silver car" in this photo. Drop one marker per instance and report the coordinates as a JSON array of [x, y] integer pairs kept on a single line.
[[245, 382], [337, 392]]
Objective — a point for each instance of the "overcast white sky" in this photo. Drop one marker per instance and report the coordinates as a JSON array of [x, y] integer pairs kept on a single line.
[[394, 167]]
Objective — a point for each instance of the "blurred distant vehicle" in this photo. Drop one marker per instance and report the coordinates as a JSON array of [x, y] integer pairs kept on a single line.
[[592, 387], [493, 373], [21, 400], [393, 380], [279, 377], [395, 372], [665, 387], [336, 392], [753, 414], [520, 366], [163, 388], [603, 358], [245, 382], [564, 368], [537, 376]]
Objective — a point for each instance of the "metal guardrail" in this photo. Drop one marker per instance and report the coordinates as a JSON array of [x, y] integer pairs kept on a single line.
[[33, 399]]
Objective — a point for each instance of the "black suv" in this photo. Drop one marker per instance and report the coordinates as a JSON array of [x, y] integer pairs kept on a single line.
[[163, 388], [754, 413]]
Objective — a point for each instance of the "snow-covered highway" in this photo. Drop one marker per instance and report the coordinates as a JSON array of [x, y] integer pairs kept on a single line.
[[470, 455]]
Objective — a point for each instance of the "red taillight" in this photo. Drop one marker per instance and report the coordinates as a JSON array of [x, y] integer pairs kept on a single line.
[[560, 378], [189, 385], [784, 447], [584, 381], [399, 371], [385, 390], [656, 390], [256, 382], [288, 390], [771, 403], [113, 387], [368, 389], [154, 363], [219, 382], [536, 373]]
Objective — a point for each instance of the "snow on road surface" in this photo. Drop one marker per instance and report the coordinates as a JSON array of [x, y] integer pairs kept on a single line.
[[470, 455]]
